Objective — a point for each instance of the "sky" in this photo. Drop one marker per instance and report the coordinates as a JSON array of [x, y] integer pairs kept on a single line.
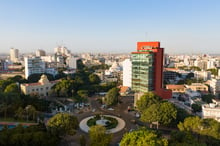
[[110, 26]]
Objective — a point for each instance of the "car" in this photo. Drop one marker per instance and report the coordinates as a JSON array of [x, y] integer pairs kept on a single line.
[[137, 115], [93, 110], [110, 109]]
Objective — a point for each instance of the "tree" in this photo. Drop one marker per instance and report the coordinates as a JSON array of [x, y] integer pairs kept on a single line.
[[143, 137], [181, 115], [111, 97], [196, 108], [206, 130], [12, 88], [98, 136], [36, 77], [181, 138], [64, 88], [189, 75], [165, 113], [30, 111], [94, 79], [83, 93], [208, 98], [146, 100], [4, 84], [195, 68], [213, 71], [19, 113], [82, 140], [63, 123]]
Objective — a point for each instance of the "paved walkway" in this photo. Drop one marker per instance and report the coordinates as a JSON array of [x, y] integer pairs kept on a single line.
[[121, 124]]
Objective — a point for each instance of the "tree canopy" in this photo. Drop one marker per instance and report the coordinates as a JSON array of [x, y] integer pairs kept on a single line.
[[36, 135], [98, 136], [94, 79], [63, 123], [12, 88], [165, 113], [143, 137], [147, 100], [206, 130], [111, 97]]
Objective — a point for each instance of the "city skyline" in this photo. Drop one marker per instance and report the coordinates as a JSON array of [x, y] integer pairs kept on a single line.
[[110, 26]]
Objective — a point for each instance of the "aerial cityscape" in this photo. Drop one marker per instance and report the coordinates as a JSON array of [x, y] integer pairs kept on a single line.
[[110, 73]]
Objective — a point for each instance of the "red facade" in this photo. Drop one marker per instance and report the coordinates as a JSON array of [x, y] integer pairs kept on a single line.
[[154, 47]]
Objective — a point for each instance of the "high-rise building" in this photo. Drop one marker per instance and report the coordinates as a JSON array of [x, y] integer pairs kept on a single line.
[[127, 72], [3, 65], [33, 65], [72, 62], [40, 53], [14, 55], [147, 69]]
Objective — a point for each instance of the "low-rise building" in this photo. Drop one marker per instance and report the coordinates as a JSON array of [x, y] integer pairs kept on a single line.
[[42, 87], [198, 87], [176, 88], [211, 110]]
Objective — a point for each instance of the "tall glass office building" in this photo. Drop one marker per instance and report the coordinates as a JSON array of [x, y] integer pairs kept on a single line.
[[147, 69]]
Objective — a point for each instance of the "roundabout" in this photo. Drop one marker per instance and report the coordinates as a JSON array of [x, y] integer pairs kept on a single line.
[[85, 124]]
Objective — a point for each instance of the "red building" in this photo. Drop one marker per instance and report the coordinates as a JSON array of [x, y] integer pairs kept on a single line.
[[147, 69]]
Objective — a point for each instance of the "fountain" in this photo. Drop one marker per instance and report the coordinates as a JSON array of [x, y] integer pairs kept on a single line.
[[102, 121]]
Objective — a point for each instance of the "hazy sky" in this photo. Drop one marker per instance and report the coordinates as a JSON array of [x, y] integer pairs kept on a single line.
[[182, 26]]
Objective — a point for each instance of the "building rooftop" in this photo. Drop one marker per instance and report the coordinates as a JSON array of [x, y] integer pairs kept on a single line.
[[172, 86]]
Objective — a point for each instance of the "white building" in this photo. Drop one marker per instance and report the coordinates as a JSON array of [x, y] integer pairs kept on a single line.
[[62, 50], [14, 55], [72, 62], [40, 53], [127, 66], [41, 88], [215, 86], [115, 67], [33, 65], [211, 110], [211, 63], [205, 75]]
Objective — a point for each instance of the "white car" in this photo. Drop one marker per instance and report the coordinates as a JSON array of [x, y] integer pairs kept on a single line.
[[110, 109]]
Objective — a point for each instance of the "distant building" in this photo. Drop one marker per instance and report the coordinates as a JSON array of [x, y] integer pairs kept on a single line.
[[14, 54], [3, 65], [147, 69], [72, 62], [205, 75], [62, 50], [40, 53], [41, 88], [127, 72], [215, 86], [33, 65]]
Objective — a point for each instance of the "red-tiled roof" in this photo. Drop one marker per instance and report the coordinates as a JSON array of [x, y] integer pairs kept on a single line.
[[171, 69], [123, 89], [171, 86]]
